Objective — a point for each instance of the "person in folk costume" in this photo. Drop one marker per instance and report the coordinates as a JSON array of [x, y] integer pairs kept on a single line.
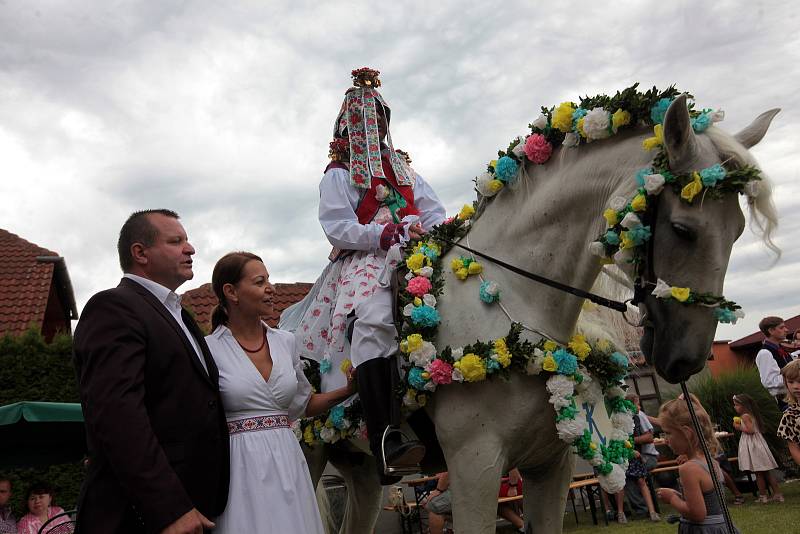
[[371, 204]]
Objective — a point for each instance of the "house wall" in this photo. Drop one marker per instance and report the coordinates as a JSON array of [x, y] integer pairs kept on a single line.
[[725, 360], [56, 316]]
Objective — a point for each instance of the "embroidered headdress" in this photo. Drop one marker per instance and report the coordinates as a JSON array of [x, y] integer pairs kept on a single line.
[[358, 122]]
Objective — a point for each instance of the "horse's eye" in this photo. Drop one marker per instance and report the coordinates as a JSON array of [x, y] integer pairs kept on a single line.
[[684, 232]]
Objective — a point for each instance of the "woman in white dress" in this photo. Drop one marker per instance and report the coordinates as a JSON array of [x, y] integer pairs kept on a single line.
[[263, 389]]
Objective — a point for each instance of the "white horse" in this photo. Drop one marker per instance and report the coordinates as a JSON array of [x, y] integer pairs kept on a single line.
[[544, 224]]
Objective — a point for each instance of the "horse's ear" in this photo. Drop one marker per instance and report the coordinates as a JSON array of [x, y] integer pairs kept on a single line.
[[752, 134], [679, 139]]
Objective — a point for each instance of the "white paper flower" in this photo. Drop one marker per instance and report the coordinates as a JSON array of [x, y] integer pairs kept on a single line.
[[617, 434], [560, 387], [596, 248], [571, 429], [410, 400], [615, 392], [429, 300], [597, 459], [630, 221], [571, 139], [410, 275], [519, 150], [540, 122], [482, 184], [622, 421], [381, 192], [618, 203], [596, 124], [662, 290], [457, 353], [426, 271], [589, 390], [492, 288], [430, 385], [298, 432], [407, 309], [614, 482], [718, 116], [653, 184], [739, 314], [751, 189], [624, 257], [457, 376], [424, 355], [328, 435], [534, 366]]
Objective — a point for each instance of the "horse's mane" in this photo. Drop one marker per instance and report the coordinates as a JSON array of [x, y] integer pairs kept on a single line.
[[763, 214]]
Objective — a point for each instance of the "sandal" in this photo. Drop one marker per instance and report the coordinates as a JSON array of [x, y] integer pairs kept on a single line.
[[739, 499], [778, 497], [762, 499]]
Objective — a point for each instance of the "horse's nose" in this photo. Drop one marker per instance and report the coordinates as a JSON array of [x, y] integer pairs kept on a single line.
[[679, 368]]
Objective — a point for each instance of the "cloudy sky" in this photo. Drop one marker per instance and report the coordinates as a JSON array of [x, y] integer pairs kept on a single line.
[[222, 111]]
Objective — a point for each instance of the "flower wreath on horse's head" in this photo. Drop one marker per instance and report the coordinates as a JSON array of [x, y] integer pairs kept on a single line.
[[357, 122]]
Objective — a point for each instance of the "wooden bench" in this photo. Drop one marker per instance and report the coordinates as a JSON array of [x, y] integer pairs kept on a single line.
[[672, 465]]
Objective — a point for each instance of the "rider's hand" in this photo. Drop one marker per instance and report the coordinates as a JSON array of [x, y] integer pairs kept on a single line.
[[192, 522], [416, 231]]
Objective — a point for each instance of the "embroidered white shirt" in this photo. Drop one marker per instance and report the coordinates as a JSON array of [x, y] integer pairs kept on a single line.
[[172, 302]]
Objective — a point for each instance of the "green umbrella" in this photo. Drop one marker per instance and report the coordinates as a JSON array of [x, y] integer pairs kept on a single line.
[[41, 433]]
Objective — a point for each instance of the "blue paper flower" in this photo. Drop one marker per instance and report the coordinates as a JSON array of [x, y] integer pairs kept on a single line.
[[620, 360], [659, 110], [429, 252], [505, 170], [567, 363], [425, 316], [701, 122], [487, 297], [337, 417], [415, 378], [612, 238], [639, 234], [325, 365], [724, 315], [577, 115], [492, 365], [641, 173], [712, 175]]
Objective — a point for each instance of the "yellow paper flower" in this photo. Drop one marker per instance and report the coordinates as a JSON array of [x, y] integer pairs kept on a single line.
[[657, 140], [620, 118], [308, 435], [737, 420], [681, 294], [603, 345], [317, 424], [346, 365], [417, 301], [422, 400], [462, 273], [456, 264], [593, 446], [503, 355], [579, 346], [639, 202], [628, 444], [475, 268], [692, 189], [495, 186], [414, 342], [329, 423], [579, 126], [472, 367], [550, 346], [415, 262], [626, 241], [611, 217], [425, 374], [493, 163], [549, 363], [562, 117], [466, 212]]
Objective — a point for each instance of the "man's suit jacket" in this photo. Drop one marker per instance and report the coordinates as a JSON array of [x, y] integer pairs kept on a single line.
[[156, 430]]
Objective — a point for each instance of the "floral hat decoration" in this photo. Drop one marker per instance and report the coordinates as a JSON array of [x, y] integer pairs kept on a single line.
[[358, 122]]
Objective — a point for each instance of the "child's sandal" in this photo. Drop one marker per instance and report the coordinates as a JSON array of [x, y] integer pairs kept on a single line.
[[739, 499]]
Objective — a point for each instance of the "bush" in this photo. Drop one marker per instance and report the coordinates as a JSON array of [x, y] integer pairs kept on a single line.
[[34, 370], [716, 394]]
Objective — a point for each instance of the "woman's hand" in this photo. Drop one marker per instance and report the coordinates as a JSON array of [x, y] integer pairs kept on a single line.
[[416, 231], [351, 381]]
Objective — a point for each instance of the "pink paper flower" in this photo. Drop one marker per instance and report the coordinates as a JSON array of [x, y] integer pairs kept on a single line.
[[418, 286], [537, 148], [441, 372]]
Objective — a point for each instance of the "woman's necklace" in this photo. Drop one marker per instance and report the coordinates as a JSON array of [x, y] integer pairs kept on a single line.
[[263, 342]]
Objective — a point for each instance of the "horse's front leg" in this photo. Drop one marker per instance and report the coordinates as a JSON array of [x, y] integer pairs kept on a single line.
[[545, 494], [364, 491], [475, 469]]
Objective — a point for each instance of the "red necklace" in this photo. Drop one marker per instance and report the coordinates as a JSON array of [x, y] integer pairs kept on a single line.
[[263, 342]]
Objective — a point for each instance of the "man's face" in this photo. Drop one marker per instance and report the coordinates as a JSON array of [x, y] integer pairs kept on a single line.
[[5, 492], [169, 259], [779, 332]]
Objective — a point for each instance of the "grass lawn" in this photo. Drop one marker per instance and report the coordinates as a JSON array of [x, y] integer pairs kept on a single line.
[[750, 518]]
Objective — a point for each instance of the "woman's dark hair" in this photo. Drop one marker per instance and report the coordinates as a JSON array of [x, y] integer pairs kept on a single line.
[[228, 270], [40, 488], [750, 406]]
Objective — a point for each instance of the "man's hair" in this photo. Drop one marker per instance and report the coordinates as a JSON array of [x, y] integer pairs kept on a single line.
[[138, 229], [4, 478], [768, 322]]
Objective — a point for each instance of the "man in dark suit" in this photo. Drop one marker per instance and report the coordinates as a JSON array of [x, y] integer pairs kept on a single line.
[[156, 430]]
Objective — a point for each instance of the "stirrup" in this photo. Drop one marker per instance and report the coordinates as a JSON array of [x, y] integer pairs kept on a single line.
[[395, 470]]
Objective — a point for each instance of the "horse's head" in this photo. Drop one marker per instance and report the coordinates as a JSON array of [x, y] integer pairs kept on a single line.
[[691, 243]]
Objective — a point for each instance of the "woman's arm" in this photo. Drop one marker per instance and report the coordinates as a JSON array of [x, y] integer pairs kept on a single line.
[[322, 402]]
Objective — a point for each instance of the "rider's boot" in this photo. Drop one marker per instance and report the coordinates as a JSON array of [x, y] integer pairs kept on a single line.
[[394, 456]]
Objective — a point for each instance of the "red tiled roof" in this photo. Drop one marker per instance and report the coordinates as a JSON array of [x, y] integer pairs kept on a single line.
[[201, 301], [756, 338], [24, 283]]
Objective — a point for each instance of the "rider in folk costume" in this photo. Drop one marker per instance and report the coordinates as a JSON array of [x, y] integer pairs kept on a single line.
[[371, 204]]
